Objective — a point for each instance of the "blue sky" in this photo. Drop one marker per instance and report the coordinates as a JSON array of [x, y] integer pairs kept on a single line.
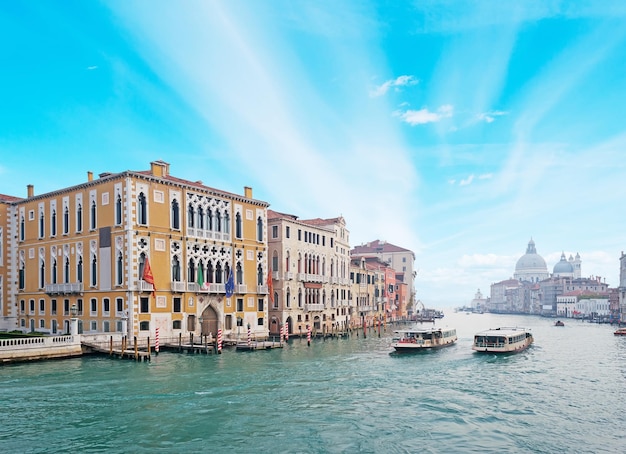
[[456, 129]]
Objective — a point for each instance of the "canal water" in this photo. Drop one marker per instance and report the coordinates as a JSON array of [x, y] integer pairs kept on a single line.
[[567, 393]]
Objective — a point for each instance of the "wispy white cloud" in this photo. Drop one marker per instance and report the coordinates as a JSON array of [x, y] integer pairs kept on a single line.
[[91, 68], [401, 81], [424, 116], [470, 179], [489, 117]]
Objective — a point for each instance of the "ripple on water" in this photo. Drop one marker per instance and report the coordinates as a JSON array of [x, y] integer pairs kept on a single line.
[[564, 394]]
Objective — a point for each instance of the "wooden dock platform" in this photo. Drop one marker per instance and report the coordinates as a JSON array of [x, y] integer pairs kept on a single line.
[[136, 354], [258, 345]]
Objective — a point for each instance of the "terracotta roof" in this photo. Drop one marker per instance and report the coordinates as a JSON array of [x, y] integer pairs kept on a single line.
[[271, 214], [197, 184], [376, 247], [320, 221], [9, 198]]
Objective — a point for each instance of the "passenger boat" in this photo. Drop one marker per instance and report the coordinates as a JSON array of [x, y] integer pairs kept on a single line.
[[502, 340], [620, 332], [423, 339], [559, 323]]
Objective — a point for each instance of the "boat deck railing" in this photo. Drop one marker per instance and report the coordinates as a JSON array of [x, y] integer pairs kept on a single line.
[[490, 344]]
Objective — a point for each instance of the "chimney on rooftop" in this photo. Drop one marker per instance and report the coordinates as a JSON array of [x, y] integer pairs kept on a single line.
[[247, 192], [30, 190], [159, 168], [89, 176]]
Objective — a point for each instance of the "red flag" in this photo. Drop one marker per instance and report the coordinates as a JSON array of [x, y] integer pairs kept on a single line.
[[270, 286], [148, 276]]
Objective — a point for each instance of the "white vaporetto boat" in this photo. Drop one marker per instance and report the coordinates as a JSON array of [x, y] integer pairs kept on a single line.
[[423, 339], [503, 340]]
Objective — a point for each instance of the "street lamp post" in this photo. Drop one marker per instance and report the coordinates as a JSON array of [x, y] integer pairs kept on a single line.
[[74, 320]]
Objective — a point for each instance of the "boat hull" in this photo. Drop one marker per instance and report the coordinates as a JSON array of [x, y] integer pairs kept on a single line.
[[502, 350], [502, 340], [415, 340], [405, 347]]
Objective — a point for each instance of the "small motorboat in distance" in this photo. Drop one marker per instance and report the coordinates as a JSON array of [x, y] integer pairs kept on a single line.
[[417, 339], [620, 331], [559, 323], [503, 340]]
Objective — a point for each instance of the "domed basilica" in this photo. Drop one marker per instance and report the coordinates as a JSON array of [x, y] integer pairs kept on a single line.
[[531, 267]]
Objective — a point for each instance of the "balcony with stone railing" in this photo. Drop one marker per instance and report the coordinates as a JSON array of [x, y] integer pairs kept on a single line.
[[64, 289], [144, 286], [314, 307]]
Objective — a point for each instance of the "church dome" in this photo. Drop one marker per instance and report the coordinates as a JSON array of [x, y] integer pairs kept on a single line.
[[563, 267], [531, 260]]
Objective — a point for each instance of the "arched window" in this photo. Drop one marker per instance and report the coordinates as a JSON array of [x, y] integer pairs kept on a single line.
[[93, 216], [66, 220], [41, 225], [275, 262], [238, 226], [118, 210], [218, 221], [200, 218], [191, 271], [300, 298], [22, 276], [142, 209], [219, 273], [94, 270], [22, 229], [142, 263], [120, 269], [210, 272], [209, 219], [226, 224], [66, 271], [175, 215], [288, 298], [191, 216], [259, 229], [239, 274], [54, 270], [79, 269], [53, 223], [259, 275], [79, 218], [42, 274], [175, 269]]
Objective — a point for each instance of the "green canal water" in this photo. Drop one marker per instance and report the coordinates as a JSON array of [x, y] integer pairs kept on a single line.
[[567, 393]]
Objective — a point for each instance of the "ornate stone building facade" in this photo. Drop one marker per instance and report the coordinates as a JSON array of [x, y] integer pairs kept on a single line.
[[88, 249], [310, 262]]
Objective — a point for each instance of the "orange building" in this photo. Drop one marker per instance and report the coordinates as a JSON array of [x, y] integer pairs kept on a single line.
[[85, 250]]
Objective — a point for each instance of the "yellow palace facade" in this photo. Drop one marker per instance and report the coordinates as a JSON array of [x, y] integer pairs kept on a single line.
[[82, 251]]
